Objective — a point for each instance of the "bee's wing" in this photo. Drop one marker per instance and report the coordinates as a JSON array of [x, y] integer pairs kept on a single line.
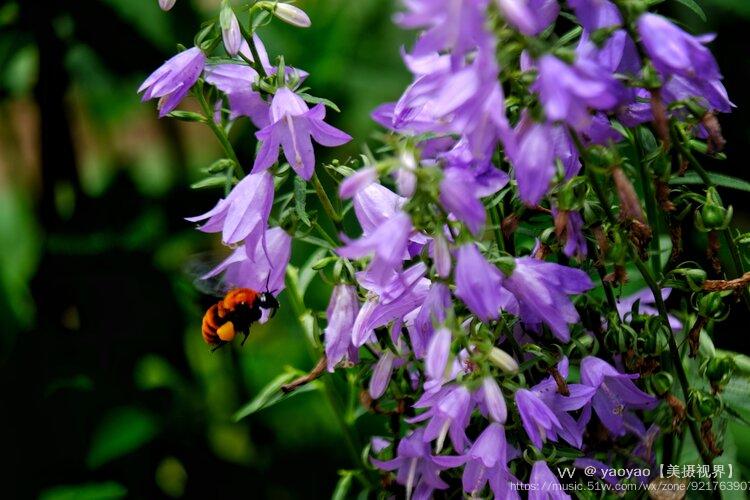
[[198, 268]]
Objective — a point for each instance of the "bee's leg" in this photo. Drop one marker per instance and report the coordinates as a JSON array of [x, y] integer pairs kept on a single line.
[[246, 334], [218, 346]]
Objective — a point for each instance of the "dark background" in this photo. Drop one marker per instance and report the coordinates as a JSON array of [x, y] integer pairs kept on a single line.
[[106, 388]]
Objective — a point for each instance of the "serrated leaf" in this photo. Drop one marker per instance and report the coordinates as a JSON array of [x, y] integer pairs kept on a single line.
[[692, 5], [718, 179], [319, 100], [343, 485], [300, 199]]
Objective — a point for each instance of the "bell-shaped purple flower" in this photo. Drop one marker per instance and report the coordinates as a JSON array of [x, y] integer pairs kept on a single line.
[[357, 182], [546, 485], [486, 461], [675, 52], [491, 402], [261, 267], [459, 194], [236, 81], [417, 470], [569, 91], [616, 394], [530, 17], [448, 414], [166, 4], [436, 358], [432, 312], [544, 410], [441, 256], [569, 225], [542, 289], [381, 374], [243, 214], [596, 14], [292, 126], [230, 30], [174, 79], [479, 284], [341, 313]]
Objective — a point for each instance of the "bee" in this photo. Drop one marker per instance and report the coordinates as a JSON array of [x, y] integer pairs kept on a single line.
[[235, 312]]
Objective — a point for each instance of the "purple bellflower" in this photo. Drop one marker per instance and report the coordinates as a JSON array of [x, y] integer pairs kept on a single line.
[[486, 461], [490, 400], [436, 358], [596, 14], [166, 4], [341, 313], [433, 311], [616, 394], [544, 411], [569, 91], [381, 374], [571, 232], [261, 267], [542, 289], [448, 414], [174, 79], [292, 125], [459, 194], [479, 284], [530, 17], [417, 469], [675, 52], [243, 214], [230, 31], [546, 485], [236, 82]]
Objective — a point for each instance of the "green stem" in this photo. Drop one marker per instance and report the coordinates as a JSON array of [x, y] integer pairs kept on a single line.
[[216, 129], [326, 202], [650, 202]]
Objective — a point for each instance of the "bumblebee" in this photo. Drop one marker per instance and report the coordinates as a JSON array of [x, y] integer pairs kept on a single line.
[[235, 313]]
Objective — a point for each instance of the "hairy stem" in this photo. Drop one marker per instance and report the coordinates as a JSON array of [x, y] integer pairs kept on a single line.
[[217, 130]]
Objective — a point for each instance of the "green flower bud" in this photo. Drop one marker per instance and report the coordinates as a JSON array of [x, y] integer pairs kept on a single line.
[[687, 278], [711, 305], [719, 369], [713, 215], [703, 405], [503, 360], [662, 383]]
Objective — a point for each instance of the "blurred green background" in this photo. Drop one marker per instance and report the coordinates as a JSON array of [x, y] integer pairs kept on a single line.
[[106, 388]]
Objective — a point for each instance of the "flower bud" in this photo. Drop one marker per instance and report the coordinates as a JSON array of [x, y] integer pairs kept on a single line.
[[687, 278], [712, 305], [662, 383], [230, 30], [703, 405], [712, 214], [292, 15], [441, 256], [166, 4], [503, 360], [719, 370]]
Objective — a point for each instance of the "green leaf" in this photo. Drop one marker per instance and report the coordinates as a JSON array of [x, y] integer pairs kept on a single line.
[[88, 491], [300, 199], [210, 182], [271, 394], [718, 179], [343, 486], [121, 432], [690, 4], [187, 116], [319, 100]]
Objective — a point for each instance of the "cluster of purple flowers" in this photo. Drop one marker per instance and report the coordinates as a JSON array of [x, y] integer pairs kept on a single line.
[[285, 122], [436, 305]]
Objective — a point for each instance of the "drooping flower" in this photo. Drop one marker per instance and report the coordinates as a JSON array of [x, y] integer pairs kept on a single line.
[[436, 358], [544, 410], [236, 81], [542, 289], [676, 52], [569, 91], [479, 284], [491, 402], [381, 374], [441, 256], [387, 245], [530, 17], [486, 461], [243, 214], [432, 312], [417, 470], [261, 267], [616, 394], [547, 485], [357, 182], [292, 15], [448, 414], [459, 194], [569, 228], [292, 125], [341, 314], [174, 79], [596, 14]]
